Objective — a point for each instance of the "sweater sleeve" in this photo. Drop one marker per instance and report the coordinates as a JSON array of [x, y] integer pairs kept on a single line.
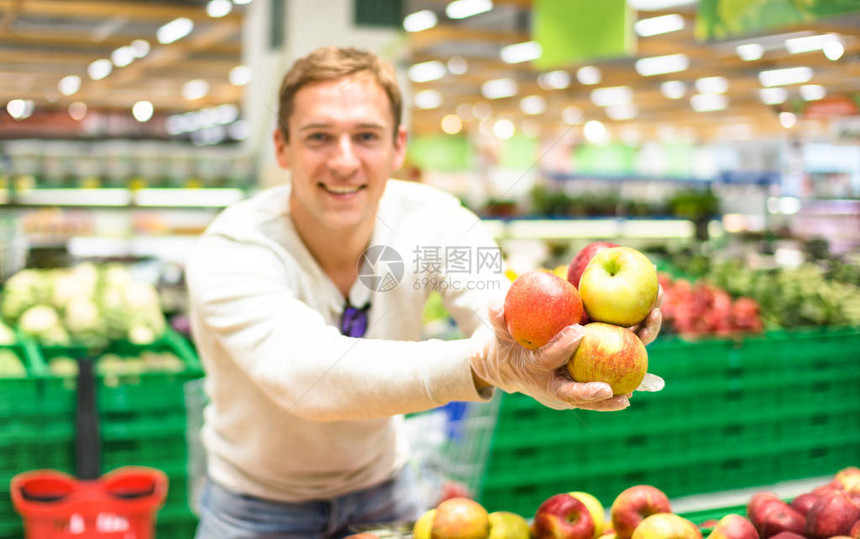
[[245, 310]]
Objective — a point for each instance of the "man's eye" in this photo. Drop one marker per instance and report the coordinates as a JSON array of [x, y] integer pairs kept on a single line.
[[368, 137], [318, 137]]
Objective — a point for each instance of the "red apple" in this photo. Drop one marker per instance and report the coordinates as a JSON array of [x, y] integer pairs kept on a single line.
[[848, 479], [734, 526], [832, 514], [757, 501], [598, 514], [583, 257], [634, 504], [562, 516], [619, 286], [787, 535], [460, 518], [666, 526], [772, 515], [538, 305], [828, 488], [610, 354], [855, 530], [803, 502]]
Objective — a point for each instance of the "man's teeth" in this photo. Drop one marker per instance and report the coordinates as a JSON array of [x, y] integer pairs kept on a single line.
[[342, 189]]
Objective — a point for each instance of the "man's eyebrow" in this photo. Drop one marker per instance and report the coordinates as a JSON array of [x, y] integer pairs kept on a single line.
[[323, 125]]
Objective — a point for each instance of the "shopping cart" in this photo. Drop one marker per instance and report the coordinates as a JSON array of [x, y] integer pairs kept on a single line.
[[121, 504]]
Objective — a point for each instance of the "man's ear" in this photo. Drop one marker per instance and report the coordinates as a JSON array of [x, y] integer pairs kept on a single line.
[[400, 147], [280, 141]]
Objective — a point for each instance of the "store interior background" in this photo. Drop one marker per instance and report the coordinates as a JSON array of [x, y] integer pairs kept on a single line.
[[118, 145]]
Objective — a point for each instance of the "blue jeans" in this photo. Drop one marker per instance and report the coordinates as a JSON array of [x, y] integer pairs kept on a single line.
[[225, 514]]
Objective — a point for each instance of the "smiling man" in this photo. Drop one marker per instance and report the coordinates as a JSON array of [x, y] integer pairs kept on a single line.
[[309, 364]]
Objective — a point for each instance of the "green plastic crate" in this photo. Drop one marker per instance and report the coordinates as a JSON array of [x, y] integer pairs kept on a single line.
[[21, 393]]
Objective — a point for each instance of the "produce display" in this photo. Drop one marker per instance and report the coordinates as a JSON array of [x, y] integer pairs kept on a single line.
[[87, 304]]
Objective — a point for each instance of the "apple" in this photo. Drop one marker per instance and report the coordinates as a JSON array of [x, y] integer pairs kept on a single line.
[[562, 516], [848, 479], [507, 525], [855, 530], [422, 526], [619, 286], [770, 515], [634, 504], [583, 257], [787, 535], [832, 514], [598, 514], [362, 535], [610, 354], [460, 518], [538, 305], [803, 502], [828, 488], [666, 526], [734, 526]]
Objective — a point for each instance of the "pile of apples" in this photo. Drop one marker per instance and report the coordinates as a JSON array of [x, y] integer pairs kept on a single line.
[[609, 289], [697, 309]]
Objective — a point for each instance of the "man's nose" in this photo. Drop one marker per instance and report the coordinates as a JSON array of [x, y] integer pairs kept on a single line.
[[344, 161]]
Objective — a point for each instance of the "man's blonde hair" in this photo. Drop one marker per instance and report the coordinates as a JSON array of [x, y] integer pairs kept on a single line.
[[331, 63]]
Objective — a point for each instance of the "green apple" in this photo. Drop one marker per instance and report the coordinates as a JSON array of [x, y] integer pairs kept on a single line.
[[610, 354], [598, 513], [421, 529], [538, 305], [507, 525], [619, 286]]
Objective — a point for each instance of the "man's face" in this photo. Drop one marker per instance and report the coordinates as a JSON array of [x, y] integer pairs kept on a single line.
[[341, 151]]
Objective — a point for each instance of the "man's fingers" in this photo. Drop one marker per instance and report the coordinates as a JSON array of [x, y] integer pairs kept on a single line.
[[650, 328], [613, 404], [558, 351], [578, 392]]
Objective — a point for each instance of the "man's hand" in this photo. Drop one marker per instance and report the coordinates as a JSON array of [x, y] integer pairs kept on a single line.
[[541, 373], [647, 330]]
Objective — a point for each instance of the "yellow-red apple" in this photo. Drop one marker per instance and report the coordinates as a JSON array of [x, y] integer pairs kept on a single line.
[[610, 354], [733, 526], [460, 518], [538, 305], [619, 286], [633, 505], [598, 513], [507, 525], [666, 526], [562, 516]]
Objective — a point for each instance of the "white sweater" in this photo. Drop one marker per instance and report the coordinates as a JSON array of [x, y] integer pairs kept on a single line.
[[297, 411]]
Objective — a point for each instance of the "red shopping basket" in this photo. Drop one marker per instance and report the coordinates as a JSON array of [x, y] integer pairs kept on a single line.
[[122, 504]]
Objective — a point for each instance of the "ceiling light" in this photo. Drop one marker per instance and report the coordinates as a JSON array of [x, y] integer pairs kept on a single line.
[[554, 80], [426, 71], [140, 47], [773, 96], [521, 52], [595, 132], [99, 69], [708, 102], [460, 9], [797, 45], [571, 115], [659, 25], [712, 85], [142, 111], [218, 8], [533, 104], [174, 30], [242, 2], [588, 75], [452, 124], [788, 75], [20, 109], [673, 89], [621, 112], [659, 65], [195, 89], [750, 51], [504, 128], [464, 111], [69, 85], [240, 75], [482, 110], [420, 20], [122, 56], [226, 113], [427, 99], [787, 119], [612, 95], [812, 92], [833, 50], [77, 110], [499, 88], [457, 65], [653, 5]]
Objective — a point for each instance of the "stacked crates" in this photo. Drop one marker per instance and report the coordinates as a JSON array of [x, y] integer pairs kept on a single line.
[[141, 415], [733, 414]]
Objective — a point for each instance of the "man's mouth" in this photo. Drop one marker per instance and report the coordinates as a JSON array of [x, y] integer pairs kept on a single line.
[[342, 189]]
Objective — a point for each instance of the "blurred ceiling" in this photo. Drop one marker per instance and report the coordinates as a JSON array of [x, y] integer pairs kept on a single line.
[[43, 41]]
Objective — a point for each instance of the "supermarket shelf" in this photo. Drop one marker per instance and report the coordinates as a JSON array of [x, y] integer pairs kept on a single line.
[[591, 228], [170, 248], [738, 497], [119, 198]]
